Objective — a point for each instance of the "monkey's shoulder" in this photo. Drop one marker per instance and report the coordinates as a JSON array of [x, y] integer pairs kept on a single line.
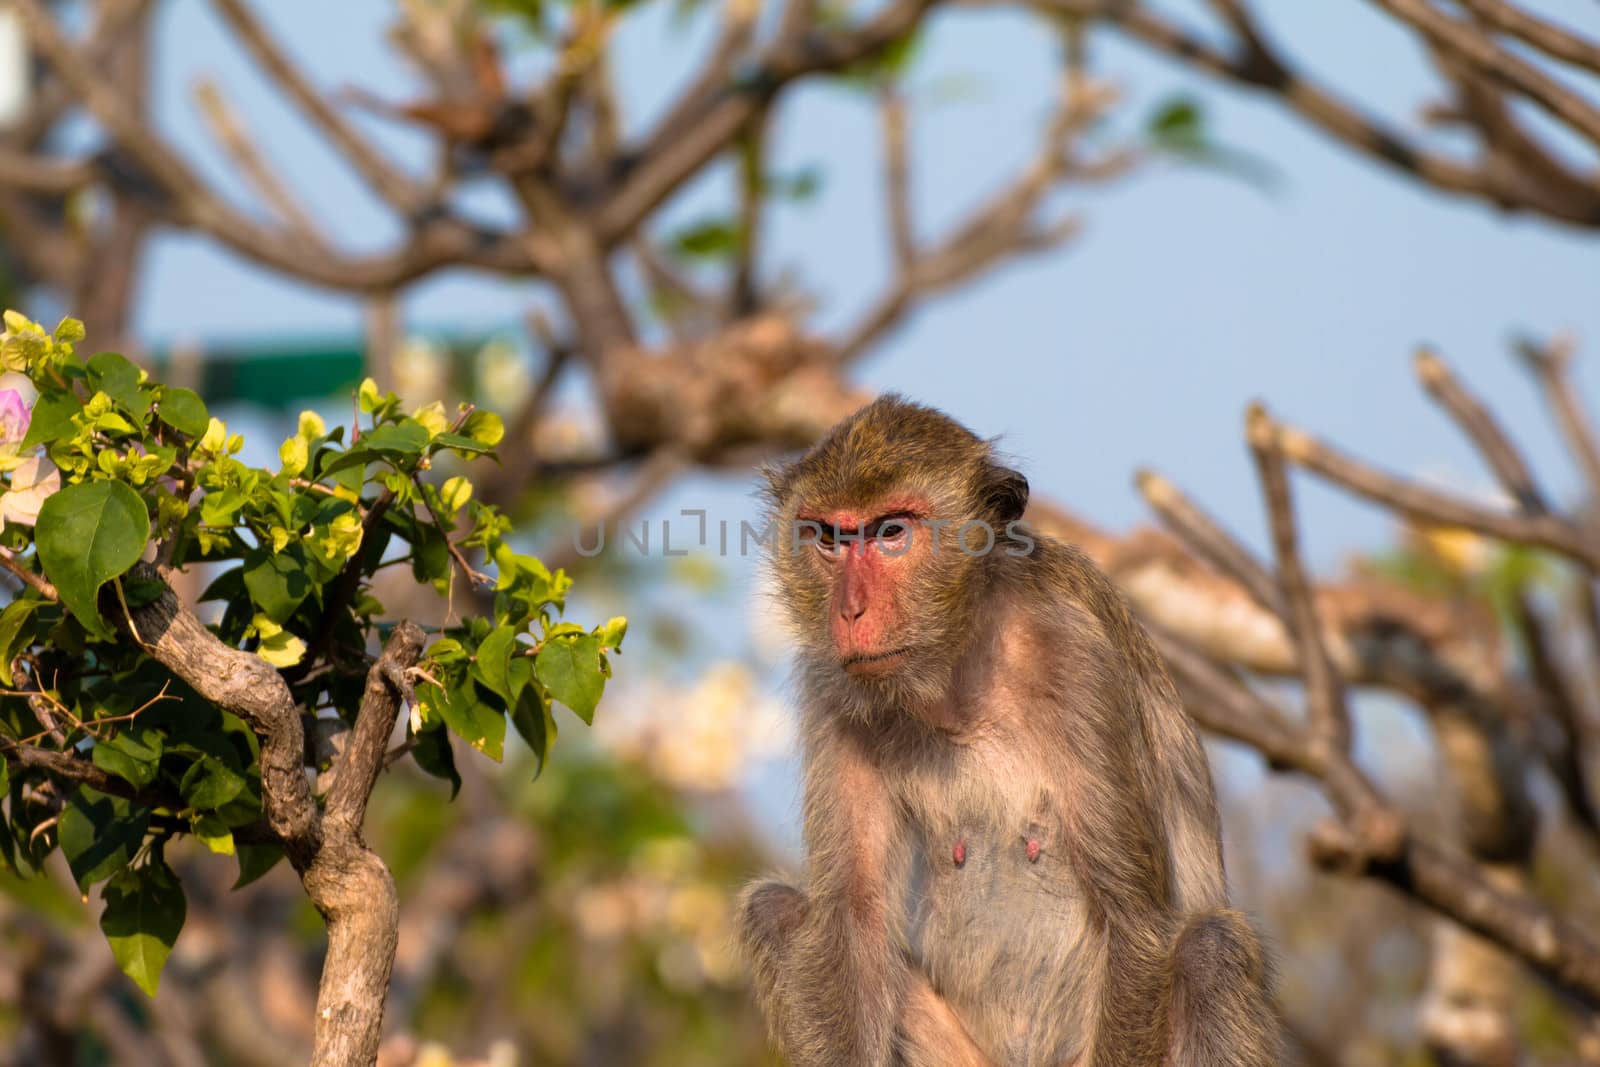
[[1065, 598]]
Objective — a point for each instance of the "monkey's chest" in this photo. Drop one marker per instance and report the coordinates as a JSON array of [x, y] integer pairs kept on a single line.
[[999, 922]]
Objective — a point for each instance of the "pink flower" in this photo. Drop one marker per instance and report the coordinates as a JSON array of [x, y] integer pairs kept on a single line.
[[15, 415]]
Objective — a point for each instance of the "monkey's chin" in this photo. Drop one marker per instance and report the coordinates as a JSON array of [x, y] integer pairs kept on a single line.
[[876, 664]]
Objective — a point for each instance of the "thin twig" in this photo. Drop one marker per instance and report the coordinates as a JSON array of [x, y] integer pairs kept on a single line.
[[230, 134], [1207, 539], [382, 175], [33, 581], [1431, 506], [1480, 425], [1551, 364], [1325, 698]]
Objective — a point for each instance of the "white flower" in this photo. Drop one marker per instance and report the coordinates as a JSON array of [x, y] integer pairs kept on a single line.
[[32, 481]]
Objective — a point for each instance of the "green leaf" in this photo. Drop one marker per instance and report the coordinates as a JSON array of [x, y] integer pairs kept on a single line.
[[1178, 126], [494, 664], [485, 428], [254, 861], [213, 832], [145, 909], [70, 330], [476, 723], [134, 756], [99, 835], [277, 581], [183, 410], [13, 636], [612, 633], [114, 376], [710, 239], [433, 754], [52, 420], [391, 441], [570, 668], [210, 783], [1178, 122], [88, 534], [461, 444], [534, 722]]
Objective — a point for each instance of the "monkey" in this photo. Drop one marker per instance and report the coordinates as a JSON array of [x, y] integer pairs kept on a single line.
[[1013, 852]]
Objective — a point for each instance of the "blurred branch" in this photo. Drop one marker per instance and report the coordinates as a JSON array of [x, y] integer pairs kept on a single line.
[[1499, 66], [1005, 226], [1512, 182], [382, 175], [230, 133], [1325, 698], [1555, 41]]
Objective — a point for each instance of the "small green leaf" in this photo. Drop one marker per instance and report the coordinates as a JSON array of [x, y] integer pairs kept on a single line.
[[1178, 122], [710, 239], [494, 663], [183, 410], [533, 721], [612, 633], [458, 443], [52, 420], [13, 635], [476, 723], [134, 756], [254, 861], [570, 668], [485, 428], [209, 783], [88, 534], [115, 376], [214, 833], [99, 835], [144, 912], [70, 331], [433, 754], [277, 581], [406, 438]]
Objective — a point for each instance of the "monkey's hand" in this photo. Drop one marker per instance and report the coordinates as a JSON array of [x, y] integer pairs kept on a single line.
[[931, 1034], [769, 914], [1220, 1003], [828, 996]]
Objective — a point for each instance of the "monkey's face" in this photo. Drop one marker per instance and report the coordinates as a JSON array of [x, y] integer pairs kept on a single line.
[[883, 537], [869, 561]]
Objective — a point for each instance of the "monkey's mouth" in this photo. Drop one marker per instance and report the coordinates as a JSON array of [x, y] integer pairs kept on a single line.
[[873, 662]]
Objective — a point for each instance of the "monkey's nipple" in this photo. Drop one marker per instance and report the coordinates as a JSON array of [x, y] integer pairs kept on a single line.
[[959, 853], [1033, 850]]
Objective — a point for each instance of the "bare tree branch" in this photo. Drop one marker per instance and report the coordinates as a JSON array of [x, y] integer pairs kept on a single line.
[[1555, 41], [379, 173]]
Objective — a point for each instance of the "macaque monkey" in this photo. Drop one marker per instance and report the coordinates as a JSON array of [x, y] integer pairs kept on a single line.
[[1012, 843]]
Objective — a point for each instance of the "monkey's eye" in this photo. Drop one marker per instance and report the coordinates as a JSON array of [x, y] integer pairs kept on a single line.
[[827, 541], [892, 533]]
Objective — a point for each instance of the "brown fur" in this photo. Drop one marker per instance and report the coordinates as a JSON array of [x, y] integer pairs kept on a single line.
[[1033, 724]]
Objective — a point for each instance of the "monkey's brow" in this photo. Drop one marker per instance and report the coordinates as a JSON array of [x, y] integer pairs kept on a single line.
[[846, 526], [844, 516]]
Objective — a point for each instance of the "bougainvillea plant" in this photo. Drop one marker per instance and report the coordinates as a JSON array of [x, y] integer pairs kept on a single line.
[[127, 721]]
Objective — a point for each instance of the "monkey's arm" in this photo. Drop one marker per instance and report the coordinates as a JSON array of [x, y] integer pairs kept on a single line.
[[1143, 829], [828, 973]]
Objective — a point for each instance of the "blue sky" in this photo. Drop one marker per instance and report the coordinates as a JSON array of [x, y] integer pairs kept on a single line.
[[1189, 294]]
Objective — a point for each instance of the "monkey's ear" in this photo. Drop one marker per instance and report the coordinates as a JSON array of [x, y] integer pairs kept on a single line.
[[1006, 494]]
